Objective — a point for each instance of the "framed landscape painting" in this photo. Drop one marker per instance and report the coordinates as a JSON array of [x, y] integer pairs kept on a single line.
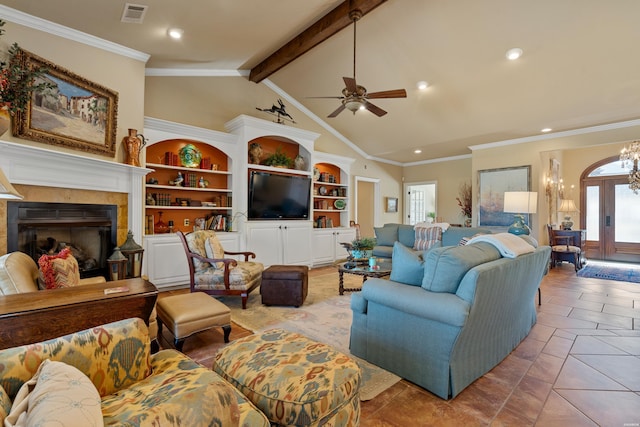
[[492, 184], [76, 113]]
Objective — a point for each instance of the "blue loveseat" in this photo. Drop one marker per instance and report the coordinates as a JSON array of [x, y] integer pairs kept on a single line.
[[388, 234], [444, 320]]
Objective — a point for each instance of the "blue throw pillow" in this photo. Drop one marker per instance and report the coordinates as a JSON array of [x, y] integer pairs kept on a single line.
[[407, 265], [446, 266], [387, 235]]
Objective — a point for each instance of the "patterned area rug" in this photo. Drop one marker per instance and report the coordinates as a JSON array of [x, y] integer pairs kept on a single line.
[[619, 272], [325, 316]]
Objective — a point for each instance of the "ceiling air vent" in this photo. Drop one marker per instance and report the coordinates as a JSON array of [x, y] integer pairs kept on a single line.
[[134, 13]]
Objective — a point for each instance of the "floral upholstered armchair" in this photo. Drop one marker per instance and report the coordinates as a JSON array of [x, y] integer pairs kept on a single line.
[[210, 272]]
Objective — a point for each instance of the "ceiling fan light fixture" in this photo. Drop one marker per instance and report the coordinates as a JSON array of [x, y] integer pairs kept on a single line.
[[422, 85], [514, 53], [354, 105]]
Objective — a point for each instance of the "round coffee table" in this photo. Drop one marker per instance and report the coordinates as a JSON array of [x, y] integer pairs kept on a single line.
[[384, 269]]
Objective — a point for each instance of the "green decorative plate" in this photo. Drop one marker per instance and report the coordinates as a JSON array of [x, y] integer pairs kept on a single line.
[[190, 156], [340, 204]]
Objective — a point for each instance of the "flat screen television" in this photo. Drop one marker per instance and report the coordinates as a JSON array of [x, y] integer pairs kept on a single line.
[[275, 196]]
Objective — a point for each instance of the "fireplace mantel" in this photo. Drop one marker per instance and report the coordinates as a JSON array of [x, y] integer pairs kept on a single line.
[[28, 165]]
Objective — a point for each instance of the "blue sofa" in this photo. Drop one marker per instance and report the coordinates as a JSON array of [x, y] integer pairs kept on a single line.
[[443, 321], [388, 234]]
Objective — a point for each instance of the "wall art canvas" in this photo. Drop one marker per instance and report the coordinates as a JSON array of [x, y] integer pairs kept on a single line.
[[76, 113], [492, 184]]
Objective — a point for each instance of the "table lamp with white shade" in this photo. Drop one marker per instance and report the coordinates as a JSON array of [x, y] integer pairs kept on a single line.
[[567, 206], [520, 203], [6, 189]]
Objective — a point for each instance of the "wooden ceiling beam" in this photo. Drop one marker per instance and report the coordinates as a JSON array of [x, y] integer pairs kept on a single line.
[[318, 32]]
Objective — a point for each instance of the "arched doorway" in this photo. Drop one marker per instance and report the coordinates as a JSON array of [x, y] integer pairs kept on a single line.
[[610, 212]]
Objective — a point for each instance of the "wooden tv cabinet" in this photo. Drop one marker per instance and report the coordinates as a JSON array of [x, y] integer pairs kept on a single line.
[[38, 316]]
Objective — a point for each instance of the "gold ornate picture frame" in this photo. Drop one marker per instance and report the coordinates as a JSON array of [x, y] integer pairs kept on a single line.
[[77, 113]]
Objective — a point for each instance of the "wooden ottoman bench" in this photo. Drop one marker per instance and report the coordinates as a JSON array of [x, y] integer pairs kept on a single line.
[[284, 285], [292, 379], [187, 314]]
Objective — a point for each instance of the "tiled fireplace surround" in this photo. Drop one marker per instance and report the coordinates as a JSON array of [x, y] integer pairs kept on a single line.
[[45, 175]]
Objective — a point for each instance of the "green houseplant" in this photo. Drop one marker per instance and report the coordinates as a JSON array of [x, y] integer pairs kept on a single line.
[[278, 159], [362, 248], [18, 82]]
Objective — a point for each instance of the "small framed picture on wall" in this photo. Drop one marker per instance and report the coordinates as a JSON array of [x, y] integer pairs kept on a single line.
[[392, 204]]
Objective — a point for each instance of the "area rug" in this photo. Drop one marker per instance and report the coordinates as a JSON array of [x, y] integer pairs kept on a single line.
[[607, 271], [325, 316]]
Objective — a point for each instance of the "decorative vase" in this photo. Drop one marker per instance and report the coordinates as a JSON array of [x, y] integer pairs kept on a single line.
[[255, 153], [299, 163], [467, 222], [133, 144], [5, 119], [160, 227]]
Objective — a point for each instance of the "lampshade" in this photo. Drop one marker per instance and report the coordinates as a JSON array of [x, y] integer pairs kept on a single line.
[[520, 201], [567, 205], [6, 189]]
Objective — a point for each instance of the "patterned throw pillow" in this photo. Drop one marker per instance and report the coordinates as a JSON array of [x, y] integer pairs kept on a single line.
[[427, 237], [59, 271], [58, 394], [214, 250]]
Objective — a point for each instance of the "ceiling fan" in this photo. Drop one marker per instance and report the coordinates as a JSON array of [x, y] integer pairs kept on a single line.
[[355, 97]]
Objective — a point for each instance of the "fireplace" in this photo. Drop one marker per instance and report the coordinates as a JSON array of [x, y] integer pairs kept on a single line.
[[89, 230]]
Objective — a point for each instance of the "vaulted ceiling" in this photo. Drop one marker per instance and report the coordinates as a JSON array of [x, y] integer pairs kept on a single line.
[[579, 67]]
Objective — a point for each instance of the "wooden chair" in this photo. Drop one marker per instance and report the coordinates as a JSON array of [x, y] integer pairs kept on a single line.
[[563, 249], [210, 272]]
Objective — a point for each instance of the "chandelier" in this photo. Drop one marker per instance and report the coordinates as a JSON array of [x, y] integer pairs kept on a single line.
[[629, 157]]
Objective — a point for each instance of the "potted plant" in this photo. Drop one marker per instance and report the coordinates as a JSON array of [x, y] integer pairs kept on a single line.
[[362, 248], [431, 217], [278, 159], [464, 202], [17, 84]]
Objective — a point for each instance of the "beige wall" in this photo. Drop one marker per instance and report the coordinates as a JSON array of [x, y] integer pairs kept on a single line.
[[448, 176]]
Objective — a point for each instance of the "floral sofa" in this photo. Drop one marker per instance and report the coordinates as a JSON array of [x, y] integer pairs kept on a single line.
[[128, 386]]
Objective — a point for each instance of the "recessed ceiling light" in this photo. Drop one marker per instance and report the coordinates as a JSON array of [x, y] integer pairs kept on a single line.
[[175, 33], [418, 151], [422, 85], [546, 130], [513, 54]]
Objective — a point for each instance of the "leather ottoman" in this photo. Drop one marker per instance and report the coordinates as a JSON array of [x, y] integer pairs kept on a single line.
[[284, 285], [187, 314]]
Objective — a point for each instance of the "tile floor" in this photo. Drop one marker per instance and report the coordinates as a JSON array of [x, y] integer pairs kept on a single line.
[[579, 366]]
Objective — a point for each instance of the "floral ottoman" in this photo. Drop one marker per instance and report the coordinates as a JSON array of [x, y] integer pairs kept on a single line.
[[292, 379]]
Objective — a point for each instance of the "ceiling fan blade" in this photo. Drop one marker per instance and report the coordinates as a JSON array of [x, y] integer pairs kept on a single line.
[[350, 83], [337, 111], [396, 93], [374, 109]]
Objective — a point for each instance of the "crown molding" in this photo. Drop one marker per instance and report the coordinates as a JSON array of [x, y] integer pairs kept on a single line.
[[21, 18], [193, 72], [555, 135]]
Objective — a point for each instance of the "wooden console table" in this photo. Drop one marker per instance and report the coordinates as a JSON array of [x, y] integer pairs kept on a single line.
[[38, 316]]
